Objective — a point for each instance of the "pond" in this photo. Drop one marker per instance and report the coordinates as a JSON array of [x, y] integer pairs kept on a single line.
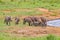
[[55, 23]]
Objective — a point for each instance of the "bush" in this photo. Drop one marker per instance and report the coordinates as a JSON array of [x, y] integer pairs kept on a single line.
[[1, 2], [51, 37]]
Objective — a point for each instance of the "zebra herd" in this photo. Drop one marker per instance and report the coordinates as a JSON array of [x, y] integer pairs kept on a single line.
[[31, 20], [41, 21]]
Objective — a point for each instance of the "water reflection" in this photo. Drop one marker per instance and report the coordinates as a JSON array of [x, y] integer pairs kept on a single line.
[[54, 23]]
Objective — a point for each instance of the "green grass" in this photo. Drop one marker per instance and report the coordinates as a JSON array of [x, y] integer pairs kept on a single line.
[[54, 14], [25, 13], [7, 36], [49, 4]]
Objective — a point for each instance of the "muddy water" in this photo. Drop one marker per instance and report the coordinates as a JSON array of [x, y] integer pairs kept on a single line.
[[55, 23]]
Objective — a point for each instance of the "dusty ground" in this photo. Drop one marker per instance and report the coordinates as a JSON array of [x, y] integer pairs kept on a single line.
[[36, 31], [33, 31]]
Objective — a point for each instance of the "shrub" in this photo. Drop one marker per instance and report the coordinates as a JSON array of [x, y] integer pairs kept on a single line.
[[51, 37]]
